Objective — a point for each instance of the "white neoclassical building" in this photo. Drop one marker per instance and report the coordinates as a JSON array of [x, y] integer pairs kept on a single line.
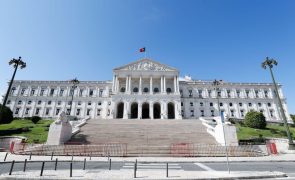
[[144, 89]]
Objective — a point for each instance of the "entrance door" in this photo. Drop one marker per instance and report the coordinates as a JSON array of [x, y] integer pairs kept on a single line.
[[134, 111], [171, 112], [145, 111], [157, 111], [120, 110]]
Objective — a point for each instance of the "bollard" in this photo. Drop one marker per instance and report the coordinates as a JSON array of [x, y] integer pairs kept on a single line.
[[135, 168], [25, 165], [84, 164], [71, 169], [5, 156], [51, 155], [55, 167], [167, 170], [110, 164], [11, 167], [30, 155], [42, 168]]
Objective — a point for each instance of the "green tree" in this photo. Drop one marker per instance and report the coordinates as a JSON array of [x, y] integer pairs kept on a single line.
[[35, 119], [255, 120], [293, 117], [6, 116]]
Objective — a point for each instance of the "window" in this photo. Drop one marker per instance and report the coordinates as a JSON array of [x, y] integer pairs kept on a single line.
[[68, 111], [257, 93], [109, 103], [58, 102], [12, 90], [39, 102], [81, 92], [42, 92], [209, 93], [221, 104], [91, 92], [89, 103], [71, 92], [32, 92], [230, 104], [61, 92], [29, 102], [79, 103], [211, 104], [247, 93], [27, 110], [202, 113], [201, 104], [98, 112], [8, 102], [99, 103], [135, 89], [49, 102], [78, 112], [242, 113], [200, 93], [156, 90], [146, 90], [122, 89], [190, 93], [19, 102], [212, 113], [191, 103], [88, 112], [181, 92], [37, 111], [23, 91], [269, 104], [16, 111], [192, 113], [238, 93], [57, 111], [181, 103], [69, 102], [259, 104], [266, 94], [228, 93], [232, 113], [271, 113], [100, 92], [168, 90], [51, 92], [240, 104], [219, 94], [47, 111], [250, 104]]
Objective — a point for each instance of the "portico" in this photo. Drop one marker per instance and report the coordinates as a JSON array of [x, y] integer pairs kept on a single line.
[[146, 89]]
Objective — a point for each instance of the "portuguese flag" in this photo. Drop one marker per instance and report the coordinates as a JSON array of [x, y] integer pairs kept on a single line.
[[142, 49]]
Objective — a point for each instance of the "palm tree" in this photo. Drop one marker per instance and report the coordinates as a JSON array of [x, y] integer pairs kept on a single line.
[[16, 63], [270, 63], [74, 86]]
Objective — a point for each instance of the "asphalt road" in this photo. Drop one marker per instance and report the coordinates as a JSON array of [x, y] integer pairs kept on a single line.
[[286, 167]]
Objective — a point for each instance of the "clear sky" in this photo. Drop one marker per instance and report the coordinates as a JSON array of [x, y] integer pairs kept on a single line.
[[206, 39]]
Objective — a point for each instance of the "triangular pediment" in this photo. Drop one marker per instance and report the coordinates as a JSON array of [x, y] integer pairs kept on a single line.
[[145, 65]]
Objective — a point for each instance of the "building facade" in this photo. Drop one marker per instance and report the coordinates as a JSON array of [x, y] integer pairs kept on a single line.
[[144, 89]]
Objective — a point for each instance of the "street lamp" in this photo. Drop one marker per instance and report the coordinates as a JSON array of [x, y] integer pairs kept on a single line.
[[73, 87], [16, 63], [216, 85], [270, 63]]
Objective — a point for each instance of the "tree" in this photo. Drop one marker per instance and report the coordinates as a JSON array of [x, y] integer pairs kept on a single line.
[[255, 120], [293, 117], [35, 119], [6, 116], [16, 63]]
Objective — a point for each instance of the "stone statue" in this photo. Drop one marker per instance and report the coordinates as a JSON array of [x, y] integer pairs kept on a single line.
[[62, 118]]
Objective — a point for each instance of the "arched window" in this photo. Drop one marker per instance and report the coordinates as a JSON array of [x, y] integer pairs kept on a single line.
[[146, 90], [135, 89], [122, 89], [168, 90], [156, 90]]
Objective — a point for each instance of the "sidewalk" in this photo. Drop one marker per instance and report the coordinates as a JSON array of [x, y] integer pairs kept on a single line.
[[273, 158]]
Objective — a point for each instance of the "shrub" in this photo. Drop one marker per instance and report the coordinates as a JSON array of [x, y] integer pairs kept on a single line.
[[6, 116], [255, 120], [35, 119]]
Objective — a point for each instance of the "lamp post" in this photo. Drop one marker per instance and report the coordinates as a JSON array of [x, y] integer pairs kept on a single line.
[[270, 63], [73, 87], [216, 85], [16, 63]]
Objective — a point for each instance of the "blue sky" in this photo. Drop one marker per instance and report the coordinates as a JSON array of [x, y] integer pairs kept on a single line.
[[206, 39]]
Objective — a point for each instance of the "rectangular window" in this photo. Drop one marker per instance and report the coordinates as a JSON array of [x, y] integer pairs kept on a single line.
[[8, 102], [57, 111], [191, 103], [78, 112], [51, 92], [27, 110], [200, 93], [16, 111], [47, 111], [99, 103], [232, 114], [79, 103], [190, 93], [100, 93], [91, 92], [37, 111], [58, 102], [209, 93], [49, 102], [201, 104], [257, 93], [266, 94], [89, 103], [61, 92], [202, 113], [23, 91], [238, 93], [212, 113], [242, 113], [39, 102], [247, 93], [98, 112], [19, 102], [228, 93], [29, 102], [88, 112], [68, 111], [32, 92], [81, 92], [192, 113], [42, 92]]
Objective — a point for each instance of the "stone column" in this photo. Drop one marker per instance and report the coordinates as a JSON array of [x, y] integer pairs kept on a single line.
[[177, 84], [161, 84], [125, 113], [175, 91], [151, 85], [140, 85], [151, 110], [139, 110], [113, 85], [162, 110], [130, 84], [126, 86], [164, 81]]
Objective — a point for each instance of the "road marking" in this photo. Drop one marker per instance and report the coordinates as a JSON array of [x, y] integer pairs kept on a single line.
[[203, 166]]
